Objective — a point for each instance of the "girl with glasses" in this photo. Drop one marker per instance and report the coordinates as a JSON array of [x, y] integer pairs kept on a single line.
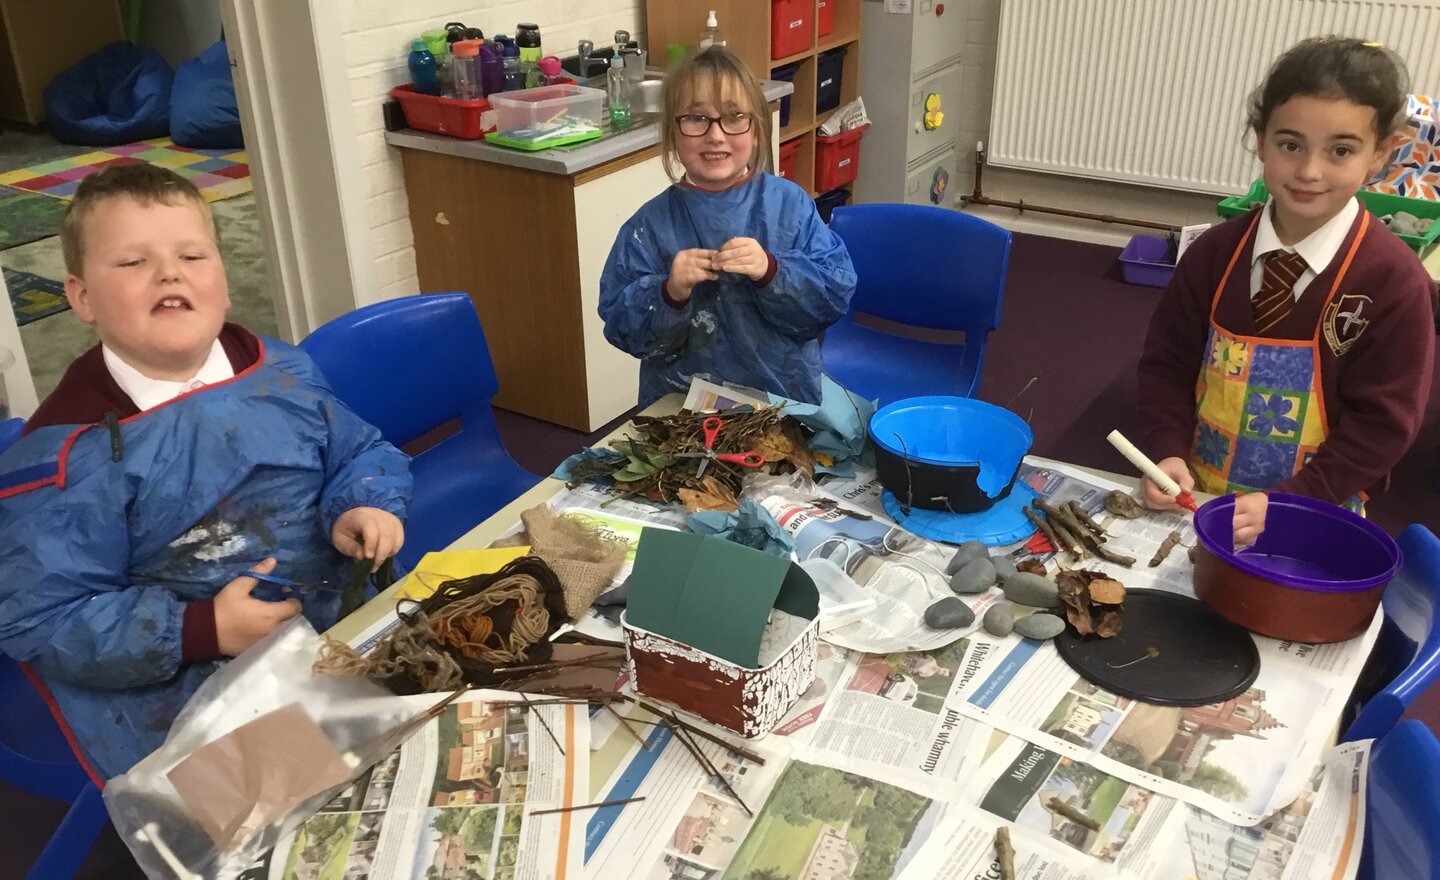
[[729, 274]]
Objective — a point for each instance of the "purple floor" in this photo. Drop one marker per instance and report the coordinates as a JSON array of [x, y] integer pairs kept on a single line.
[[1069, 323]]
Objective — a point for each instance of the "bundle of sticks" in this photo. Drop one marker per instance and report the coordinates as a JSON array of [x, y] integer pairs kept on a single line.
[[1070, 529]]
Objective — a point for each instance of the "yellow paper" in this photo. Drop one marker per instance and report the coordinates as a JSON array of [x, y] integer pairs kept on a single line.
[[443, 565]]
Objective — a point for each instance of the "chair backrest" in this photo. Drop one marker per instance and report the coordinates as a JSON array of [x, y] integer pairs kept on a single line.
[[1408, 651], [34, 754], [925, 266], [409, 365], [10, 432], [1402, 815]]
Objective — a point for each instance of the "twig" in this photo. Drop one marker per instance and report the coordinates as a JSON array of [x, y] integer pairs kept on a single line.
[[1045, 530], [1057, 522], [1033, 380], [1112, 556], [587, 660], [587, 806], [1004, 853], [1151, 651], [705, 734], [683, 736], [1165, 547], [628, 729], [1073, 814], [538, 717], [1085, 520]]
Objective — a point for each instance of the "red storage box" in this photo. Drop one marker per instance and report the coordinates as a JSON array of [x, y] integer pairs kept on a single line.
[[461, 119], [837, 159], [788, 150], [790, 24], [824, 17]]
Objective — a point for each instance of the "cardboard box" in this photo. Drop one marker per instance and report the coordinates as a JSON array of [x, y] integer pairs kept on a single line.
[[719, 630]]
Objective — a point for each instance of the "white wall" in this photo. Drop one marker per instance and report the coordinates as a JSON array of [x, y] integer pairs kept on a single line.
[[376, 40], [19, 386], [982, 28]]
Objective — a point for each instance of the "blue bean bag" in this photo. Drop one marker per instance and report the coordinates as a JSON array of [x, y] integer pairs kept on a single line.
[[203, 111], [118, 95]]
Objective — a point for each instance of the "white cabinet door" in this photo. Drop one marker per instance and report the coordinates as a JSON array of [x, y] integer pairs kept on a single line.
[[941, 90], [938, 36], [929, 181]]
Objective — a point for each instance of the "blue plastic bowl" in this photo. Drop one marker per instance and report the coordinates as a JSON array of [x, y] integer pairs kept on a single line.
[[948, 453]]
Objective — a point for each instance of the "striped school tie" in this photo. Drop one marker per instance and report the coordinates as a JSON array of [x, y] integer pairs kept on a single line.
[[1277, 290]]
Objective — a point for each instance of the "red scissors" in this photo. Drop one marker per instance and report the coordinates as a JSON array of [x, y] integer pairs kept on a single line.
[[712, 428]]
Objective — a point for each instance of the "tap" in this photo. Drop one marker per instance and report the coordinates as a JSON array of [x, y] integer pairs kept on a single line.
[[622, 39]]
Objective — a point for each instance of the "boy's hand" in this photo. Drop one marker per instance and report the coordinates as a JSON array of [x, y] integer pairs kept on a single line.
[[743, 256], [689, 268], [1249, 519], [1176, 469], [368, 533], [240, 620]]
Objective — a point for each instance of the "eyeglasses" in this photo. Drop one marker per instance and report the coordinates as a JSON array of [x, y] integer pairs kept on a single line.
[[698, 124]]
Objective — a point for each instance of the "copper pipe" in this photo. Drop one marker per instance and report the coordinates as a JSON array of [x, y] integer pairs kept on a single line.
[[977, 197]]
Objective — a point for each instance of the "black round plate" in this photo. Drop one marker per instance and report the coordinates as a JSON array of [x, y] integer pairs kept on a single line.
[[1203, 658]]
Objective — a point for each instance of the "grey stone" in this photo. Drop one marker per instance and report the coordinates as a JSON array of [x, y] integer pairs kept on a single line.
[[1040, 626], [949, 613], [1028, 588], [1004, 567], [999, 620], [968, 551], [975, 576]]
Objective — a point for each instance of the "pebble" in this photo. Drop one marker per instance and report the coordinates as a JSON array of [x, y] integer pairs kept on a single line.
[[1032, 589], [975, 576], [999, 620], [968, 551], [1004, 567], [949, 613], [1040, 626]]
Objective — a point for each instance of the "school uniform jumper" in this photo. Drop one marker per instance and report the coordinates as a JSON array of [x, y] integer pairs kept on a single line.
[[762, 334], [1326, 403], [115, 540]]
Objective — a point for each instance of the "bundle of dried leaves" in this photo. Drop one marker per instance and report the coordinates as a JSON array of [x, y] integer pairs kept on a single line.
[[655, 465], [1092, 602]]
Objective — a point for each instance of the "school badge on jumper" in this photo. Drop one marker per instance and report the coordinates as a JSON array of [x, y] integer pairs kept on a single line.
[[1344, 320]]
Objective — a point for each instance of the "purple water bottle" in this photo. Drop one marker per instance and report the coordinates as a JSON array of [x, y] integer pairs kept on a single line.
[[492, 70]]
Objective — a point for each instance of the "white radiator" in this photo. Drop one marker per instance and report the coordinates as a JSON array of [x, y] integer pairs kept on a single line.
[[1154, 91]]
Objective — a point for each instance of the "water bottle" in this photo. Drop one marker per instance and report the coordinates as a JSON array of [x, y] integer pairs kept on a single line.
[[465, 62], [439, 46], [618, 91], [550, 71], [527, 40], [711, 35], [492, 70], [510, 58], [423, 71]]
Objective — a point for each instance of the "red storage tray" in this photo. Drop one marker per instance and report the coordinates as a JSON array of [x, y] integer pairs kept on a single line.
[[461, 119], [790, 25], [837, 159], [824, 17], [788, 150]]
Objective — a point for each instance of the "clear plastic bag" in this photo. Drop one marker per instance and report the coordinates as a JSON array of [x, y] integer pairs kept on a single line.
[[262, 745]]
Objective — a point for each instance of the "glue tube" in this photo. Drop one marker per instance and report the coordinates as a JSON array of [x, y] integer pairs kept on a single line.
[[1151, 470]]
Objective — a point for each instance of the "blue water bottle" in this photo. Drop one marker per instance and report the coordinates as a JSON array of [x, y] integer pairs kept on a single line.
[[424, 72]]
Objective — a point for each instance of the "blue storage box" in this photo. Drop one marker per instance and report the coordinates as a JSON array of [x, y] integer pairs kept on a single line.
[[1144, 261], [786, 73]]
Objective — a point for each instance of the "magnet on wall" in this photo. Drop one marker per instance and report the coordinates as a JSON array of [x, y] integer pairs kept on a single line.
[[933, 116], [939, 9], [938, 184]]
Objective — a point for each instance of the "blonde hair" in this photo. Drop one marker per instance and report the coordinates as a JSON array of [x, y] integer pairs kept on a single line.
[[145, 183], [710, 71]]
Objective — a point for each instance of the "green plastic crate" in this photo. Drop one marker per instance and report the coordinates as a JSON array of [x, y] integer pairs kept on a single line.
[[1378, 204]]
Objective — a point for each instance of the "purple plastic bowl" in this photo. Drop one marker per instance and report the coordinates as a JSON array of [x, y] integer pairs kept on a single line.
[[1143, 261], [1316, 573]]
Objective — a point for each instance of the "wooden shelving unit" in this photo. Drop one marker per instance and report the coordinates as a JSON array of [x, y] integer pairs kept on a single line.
[[745, 26]]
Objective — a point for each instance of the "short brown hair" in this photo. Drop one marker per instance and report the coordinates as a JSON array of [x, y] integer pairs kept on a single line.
[[145, 183], [714, 66]]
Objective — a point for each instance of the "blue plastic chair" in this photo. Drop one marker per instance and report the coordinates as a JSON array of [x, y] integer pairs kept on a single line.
[[409, 366], [10, 432], [924, 267], [1402, 817], [36, 758], [1407, 654]]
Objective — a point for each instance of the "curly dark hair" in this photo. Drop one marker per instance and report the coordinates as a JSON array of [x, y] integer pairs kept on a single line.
[[1364, 73]]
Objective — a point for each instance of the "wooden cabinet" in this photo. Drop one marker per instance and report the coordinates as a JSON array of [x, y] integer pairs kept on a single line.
[[40, 38], [529, 246], [745, 25]]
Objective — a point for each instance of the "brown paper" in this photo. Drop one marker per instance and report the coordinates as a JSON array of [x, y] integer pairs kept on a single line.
[[254, 775]]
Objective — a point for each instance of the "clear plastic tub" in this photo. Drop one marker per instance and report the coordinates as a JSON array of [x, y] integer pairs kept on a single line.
[[548, 106]]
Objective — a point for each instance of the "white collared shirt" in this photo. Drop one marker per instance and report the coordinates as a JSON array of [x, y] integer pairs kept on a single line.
[[148, 393], [1318, 248]]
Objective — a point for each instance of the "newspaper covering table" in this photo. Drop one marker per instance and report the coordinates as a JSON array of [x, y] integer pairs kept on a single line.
[[456, 802]]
